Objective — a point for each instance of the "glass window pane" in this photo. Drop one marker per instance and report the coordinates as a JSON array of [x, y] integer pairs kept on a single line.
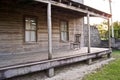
[[33, 27], [33, 24], [30, 23], [27, 36], [32, 20], [64, 31], [33, 36], [62, 26], [27, 23], [65, 28], [30, 36], [30, 29], [63, 36]]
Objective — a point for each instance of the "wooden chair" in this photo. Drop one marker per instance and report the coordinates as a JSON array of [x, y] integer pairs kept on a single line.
[[76, 43]]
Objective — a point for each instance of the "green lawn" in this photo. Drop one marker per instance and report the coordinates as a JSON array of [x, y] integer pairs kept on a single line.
[[108, 72]]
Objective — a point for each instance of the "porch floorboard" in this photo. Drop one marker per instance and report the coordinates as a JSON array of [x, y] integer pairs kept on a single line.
[[15, 59]]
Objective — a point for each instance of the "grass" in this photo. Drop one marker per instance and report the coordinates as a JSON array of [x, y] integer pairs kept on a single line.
[[108, 72]]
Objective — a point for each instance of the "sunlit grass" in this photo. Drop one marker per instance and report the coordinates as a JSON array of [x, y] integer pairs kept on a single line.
[[108, 72]]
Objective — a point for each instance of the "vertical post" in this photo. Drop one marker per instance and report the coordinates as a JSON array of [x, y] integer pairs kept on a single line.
[[88, 24], [109, 54], [112, 28], [60, 1], [89, 61], [109, 34], [49, 24]]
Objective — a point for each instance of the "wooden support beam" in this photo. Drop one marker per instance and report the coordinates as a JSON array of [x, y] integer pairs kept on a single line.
[[79, 6], [112, 28], [49, 24], [60, 1], [70, 3], [109, 34], [71, 7], [109, 54], [88, 24], [89, 61], [43, 1], [51, 72], [77, 9], [65, 0], [21, 69]]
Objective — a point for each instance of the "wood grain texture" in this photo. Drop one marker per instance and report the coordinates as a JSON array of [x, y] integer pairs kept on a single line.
[[12, 27]]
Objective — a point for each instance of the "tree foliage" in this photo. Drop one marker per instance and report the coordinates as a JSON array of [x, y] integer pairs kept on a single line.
[[116, 26], [103, 30]]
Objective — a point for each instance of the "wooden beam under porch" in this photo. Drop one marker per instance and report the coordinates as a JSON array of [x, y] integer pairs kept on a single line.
[[20, 64]]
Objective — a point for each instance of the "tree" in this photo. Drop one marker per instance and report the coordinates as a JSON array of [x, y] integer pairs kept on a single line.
[[116, 26], [103, 30]]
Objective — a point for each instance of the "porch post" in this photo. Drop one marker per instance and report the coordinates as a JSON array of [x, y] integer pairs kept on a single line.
[[109, 34], [112, 28], [49, 24], [89, 61], [88, 24], [109, 42]]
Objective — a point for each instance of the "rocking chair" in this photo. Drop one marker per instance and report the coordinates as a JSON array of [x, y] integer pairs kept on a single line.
[[76, 43]]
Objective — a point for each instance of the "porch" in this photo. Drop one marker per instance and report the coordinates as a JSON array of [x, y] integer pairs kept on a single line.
[[45, 17], [19, 64], [23, 58]]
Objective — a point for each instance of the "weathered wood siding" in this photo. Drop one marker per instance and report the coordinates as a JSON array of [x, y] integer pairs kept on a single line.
[[12, 27], [79, 1]]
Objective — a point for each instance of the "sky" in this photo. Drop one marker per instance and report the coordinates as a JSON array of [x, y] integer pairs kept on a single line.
[[103, 5]]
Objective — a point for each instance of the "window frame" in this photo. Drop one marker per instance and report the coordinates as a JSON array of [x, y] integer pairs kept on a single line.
[[36, 36], [64, 31]]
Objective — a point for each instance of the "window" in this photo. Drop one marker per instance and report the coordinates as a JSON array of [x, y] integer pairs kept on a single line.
[[30, 29], [64, 31]]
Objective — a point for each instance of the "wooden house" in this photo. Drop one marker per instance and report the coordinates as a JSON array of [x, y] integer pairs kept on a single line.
[[37, 34]]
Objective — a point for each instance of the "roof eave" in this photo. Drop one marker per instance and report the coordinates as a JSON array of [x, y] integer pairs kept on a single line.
[[81, 8]]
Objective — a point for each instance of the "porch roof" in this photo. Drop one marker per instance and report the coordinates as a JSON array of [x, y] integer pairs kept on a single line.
[[79, 7]]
